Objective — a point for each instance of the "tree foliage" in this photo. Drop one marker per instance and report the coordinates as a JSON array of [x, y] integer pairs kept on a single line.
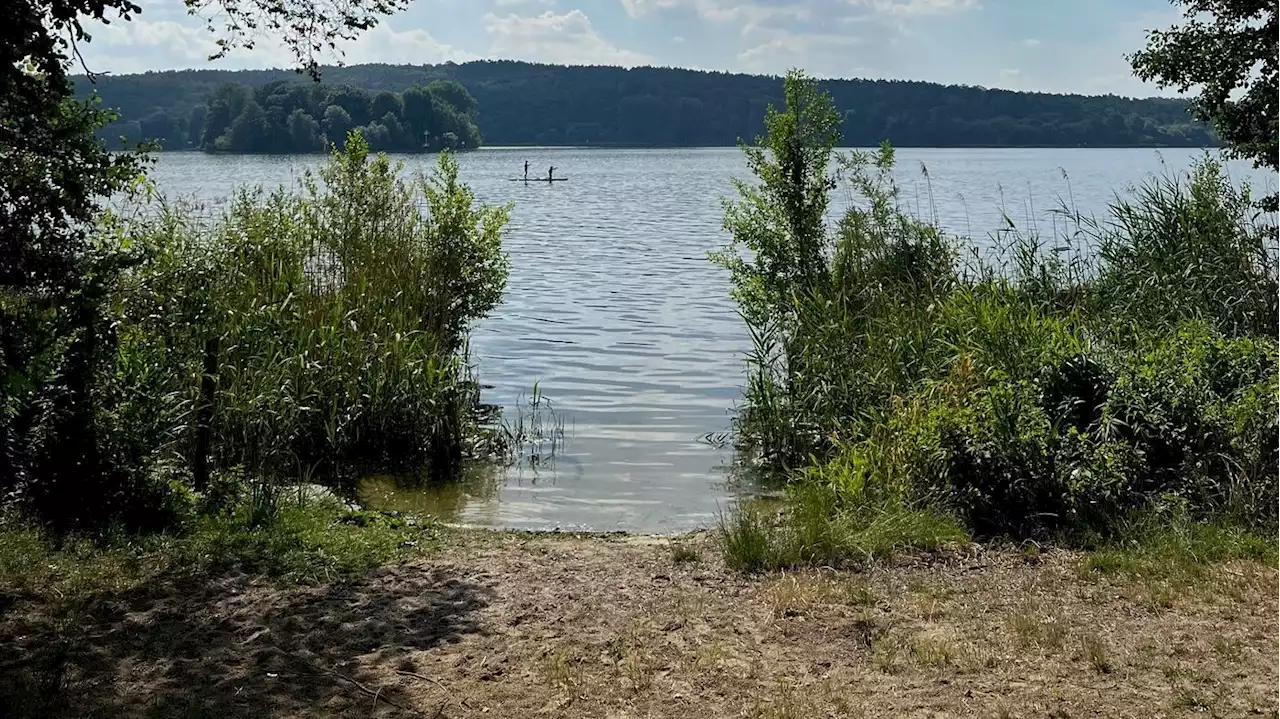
[[1227, 49], [53, 177], [311, 29], [291, 117], [780, 222], [519, 103]]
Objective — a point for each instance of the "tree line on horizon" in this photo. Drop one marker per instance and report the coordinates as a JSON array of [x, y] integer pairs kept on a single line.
[[518, 103]]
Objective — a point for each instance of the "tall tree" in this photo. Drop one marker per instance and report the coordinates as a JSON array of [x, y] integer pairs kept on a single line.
[[304, 132], [337, 122], [1227, 49], [386, 102]]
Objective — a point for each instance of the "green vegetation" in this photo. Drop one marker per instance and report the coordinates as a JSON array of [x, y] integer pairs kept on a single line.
[[1175, 548], [1055, 388], [1227, 50], [101, 421], [820, 528], [318, 332], [294, 117], [527, 104], [310, 541]]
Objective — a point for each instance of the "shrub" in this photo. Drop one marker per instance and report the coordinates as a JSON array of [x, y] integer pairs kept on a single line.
[[310, 331], [1052, 390]]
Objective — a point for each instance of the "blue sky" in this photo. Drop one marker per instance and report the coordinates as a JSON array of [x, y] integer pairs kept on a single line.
[[1049, 45]]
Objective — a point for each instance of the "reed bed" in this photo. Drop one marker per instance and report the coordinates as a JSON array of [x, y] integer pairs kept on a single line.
[[1040, 387], [314, 332]]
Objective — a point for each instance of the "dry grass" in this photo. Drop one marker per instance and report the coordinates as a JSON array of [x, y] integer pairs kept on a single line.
[[516, 625]]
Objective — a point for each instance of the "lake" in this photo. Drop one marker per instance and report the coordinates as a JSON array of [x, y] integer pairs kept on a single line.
[[614, 310]]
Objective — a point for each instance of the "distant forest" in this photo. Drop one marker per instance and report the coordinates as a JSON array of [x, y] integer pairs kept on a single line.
[[284, 116], [517, 103]]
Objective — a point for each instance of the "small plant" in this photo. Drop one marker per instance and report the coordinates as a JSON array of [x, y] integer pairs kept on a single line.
[[861, 595], [749, 541], [884, 654], [1230, 650], [638, 669], [616, 649], [1095, 651], [1054, 634], [1026, 628], [1192, 700], [562, 669], [932, 651], [534, 436], [682, 553]]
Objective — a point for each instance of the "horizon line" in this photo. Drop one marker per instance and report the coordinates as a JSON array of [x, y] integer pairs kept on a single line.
[[627, 68]]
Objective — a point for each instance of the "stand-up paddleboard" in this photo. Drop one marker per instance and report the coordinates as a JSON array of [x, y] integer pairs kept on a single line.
[[537, 179]]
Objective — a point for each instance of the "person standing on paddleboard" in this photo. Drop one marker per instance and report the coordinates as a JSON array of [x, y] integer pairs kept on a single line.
[[526, 169], [551, 173]]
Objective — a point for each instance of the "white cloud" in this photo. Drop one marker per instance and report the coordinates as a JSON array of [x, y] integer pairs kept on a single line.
[[382, 44], [906, 8], [640, 8], [565, 39], [755, 12], [138, 45], [812, 33], [1031, 42], [816, 52], [142, 45]]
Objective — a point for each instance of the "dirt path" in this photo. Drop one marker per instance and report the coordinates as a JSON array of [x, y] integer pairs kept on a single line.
[[500, 626]]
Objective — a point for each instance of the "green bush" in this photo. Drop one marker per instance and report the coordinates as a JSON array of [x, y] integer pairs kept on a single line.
[[316, 330], [1050, 390], [337, 316]]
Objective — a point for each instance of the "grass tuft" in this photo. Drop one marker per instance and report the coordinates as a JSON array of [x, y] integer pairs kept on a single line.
[[1096, 652], [682, 553], [809, 531], [1175, 550]]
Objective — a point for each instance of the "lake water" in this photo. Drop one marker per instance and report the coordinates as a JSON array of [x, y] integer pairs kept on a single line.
[[613, 308]]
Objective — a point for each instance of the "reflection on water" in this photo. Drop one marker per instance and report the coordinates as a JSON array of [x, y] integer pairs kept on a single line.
[[490, 493], [614, 310]]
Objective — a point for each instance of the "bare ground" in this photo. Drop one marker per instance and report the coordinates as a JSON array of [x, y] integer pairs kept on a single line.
[[519, 626]]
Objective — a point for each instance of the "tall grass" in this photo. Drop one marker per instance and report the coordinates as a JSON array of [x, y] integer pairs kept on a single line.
[[1054, 387], [313, 331]]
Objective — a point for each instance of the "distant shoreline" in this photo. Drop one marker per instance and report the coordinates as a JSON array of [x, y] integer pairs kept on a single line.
[[603, 146]]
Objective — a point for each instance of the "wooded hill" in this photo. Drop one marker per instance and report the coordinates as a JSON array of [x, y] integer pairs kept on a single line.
[[519, 103]]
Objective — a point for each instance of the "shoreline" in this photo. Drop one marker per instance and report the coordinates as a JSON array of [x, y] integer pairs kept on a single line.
[[627, 146]]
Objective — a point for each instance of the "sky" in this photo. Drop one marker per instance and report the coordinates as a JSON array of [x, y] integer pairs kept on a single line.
[[1065, 46]]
